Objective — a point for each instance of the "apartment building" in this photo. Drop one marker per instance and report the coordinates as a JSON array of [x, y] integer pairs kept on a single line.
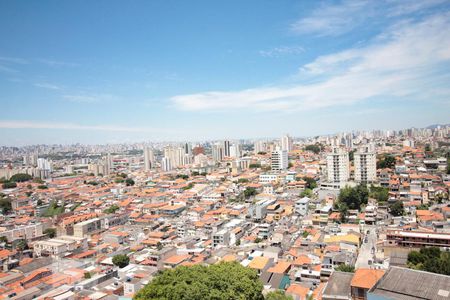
[[338, 166]]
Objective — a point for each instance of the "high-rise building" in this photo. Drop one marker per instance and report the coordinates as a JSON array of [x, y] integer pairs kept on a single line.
[[235, 151], [149, 159], [279, 160], [226, 148], [365, 161], [166, 164], [188, 148], [286, 143], [338, 165], [260, 146], [218, 152]]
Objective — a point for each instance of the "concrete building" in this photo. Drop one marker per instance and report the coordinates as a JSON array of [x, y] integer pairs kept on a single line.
[[302, 206], [338, 166], [365, 161], [149, 159], [279, 160], [286, 143]]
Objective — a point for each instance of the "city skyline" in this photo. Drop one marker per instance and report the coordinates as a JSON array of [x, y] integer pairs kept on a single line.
[[166, 72]]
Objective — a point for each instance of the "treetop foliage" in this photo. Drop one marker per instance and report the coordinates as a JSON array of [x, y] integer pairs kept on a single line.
[[226, 280]]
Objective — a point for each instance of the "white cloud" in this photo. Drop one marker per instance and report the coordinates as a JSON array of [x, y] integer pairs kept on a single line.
[[21, 124], [335, 19], [48, 86], [402, 61], [56, 63], [89, 98], [281, 51]]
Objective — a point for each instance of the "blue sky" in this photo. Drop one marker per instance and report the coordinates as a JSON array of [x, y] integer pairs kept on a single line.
[[114, 71]]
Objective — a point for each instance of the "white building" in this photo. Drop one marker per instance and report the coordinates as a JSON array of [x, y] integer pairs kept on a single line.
[[338, 165], [279, 160], [302, 206], [365, 161], [218, 152], [166, 164], [286, 143], [149, 159]]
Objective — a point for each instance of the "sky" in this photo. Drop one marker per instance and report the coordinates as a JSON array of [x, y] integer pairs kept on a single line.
[[126, 71]]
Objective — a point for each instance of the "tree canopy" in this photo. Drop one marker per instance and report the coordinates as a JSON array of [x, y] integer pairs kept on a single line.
[[278, 295], [381, 194], [396, 208], [121, 260], [354, 197], [431, 260], [316, 148], [346, 268], [226, 280], [21, 177], [386, 162]]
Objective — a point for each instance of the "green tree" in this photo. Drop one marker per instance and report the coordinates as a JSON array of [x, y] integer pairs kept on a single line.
[[278, 295], [354, 197], [129, 182], [386, 162], [112, 209], [396, 208], [430, 259], [51, 232], [87, 275], [258, 240], [346, 268], [306, 193], [381, 194], [5, 205], [242, 180], [42, 187], [121, 260], [21, 177], [21, 245], [9, 185], [226, 280], [248, 192], [316, 148], [254, 166], [310, 182]]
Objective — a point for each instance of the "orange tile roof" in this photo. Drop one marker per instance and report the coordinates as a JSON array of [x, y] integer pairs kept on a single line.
[[366, 278], [280, 268]]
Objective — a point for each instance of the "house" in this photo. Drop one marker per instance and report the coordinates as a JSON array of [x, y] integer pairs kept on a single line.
[[338, 286], [402, 283], [363, 280]]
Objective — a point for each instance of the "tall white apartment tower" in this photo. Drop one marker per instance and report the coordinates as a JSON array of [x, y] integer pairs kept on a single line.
[[365, 160], [218, 152], [226, 148], [166, 164], [149, 158], [279, 159], [260, 146], [338, 165], [286, 143]]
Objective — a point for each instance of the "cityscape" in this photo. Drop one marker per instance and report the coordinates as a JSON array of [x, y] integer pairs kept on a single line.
[[285, 150]]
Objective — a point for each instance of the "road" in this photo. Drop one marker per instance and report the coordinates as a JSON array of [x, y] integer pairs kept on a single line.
[[365, 252]]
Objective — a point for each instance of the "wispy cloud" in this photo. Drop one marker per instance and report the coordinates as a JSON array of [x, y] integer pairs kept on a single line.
[[281, 51], [48, 86], [89, 98], [25, 124], [409, 59], [331, 19], [13, 60], [57, 63], [6, 62]]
